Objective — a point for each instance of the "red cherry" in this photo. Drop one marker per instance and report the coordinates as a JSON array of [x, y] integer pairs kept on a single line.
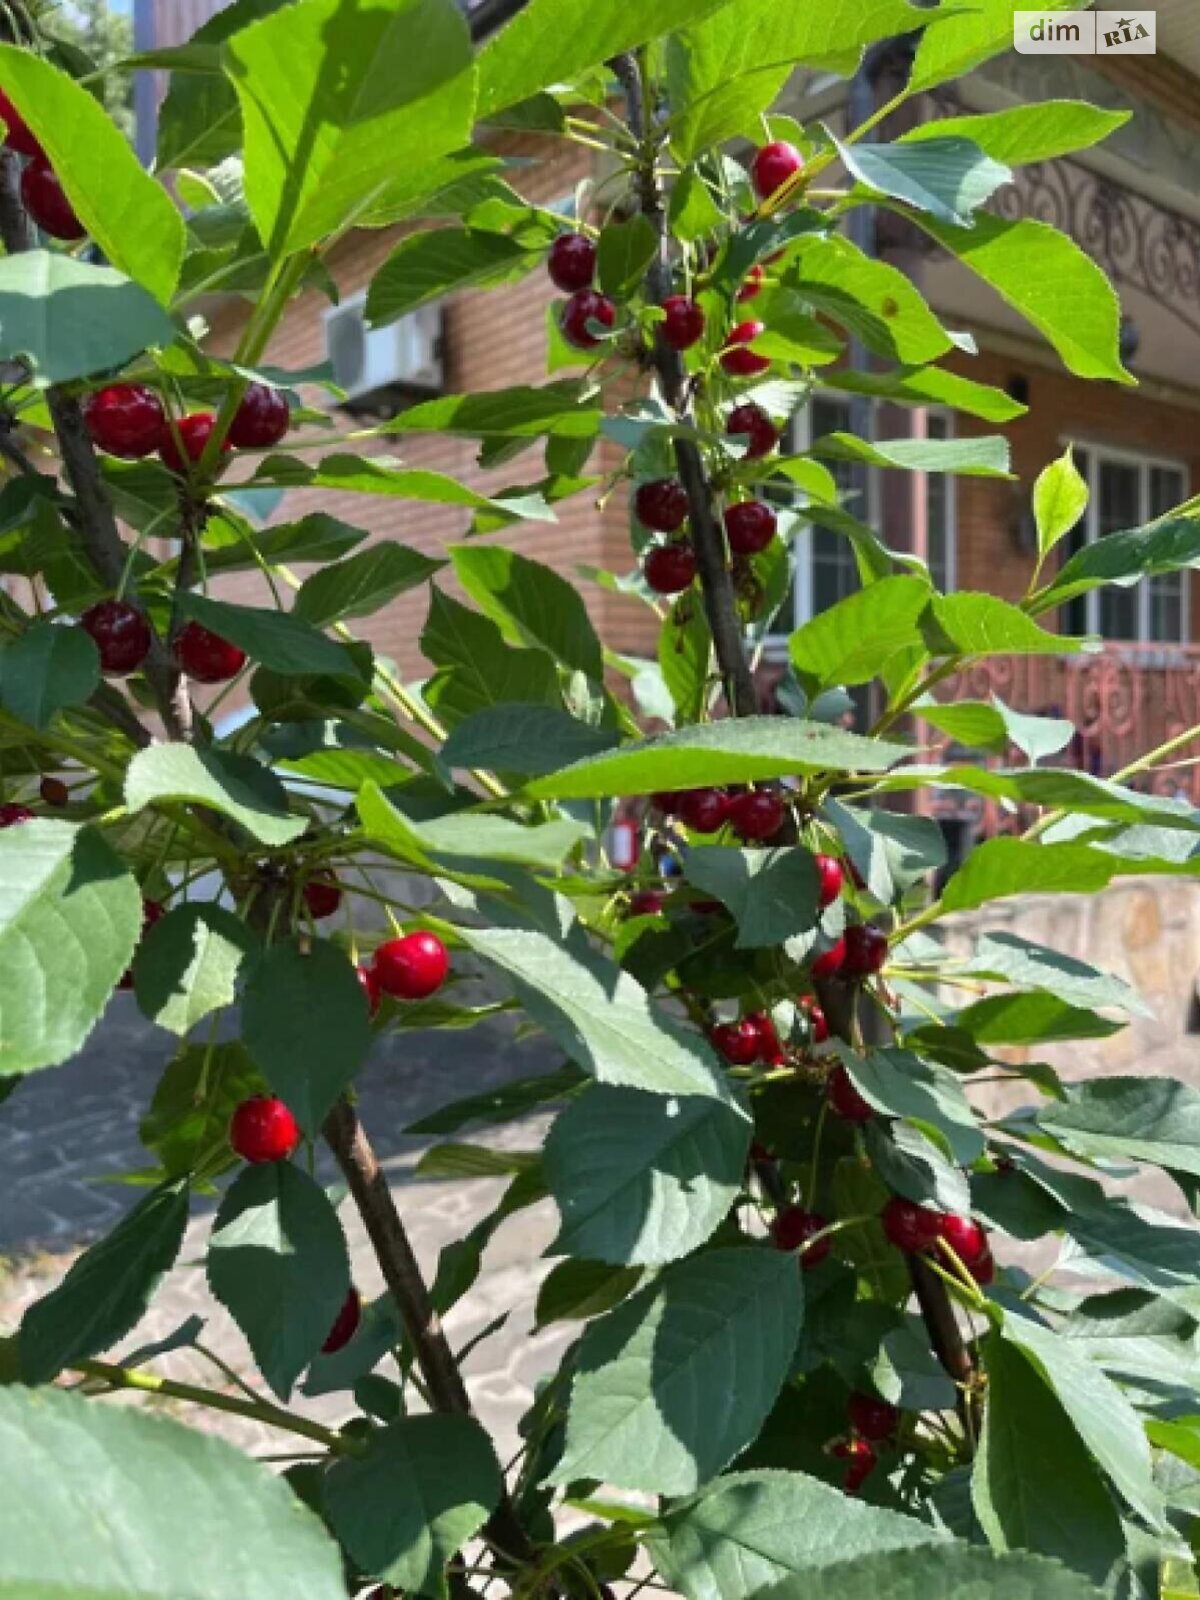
[[263, 1129], [207, 657], [751, 422], [738, 1041], [966, 1238], [262, 418], [126, 420], [844, 1098], [794, 1227], [759, 1153], [703, 810], [572, 262], [194, 434], [322, 896], [45, 199], [669, 568], [749, 527], [984, 1270], [866, 950], [646, 903], [910, 1227], [818, 1022], [684, 323], [770, 1051], [121, 634], [757, 815], [829, 880], [582, 308], [829, 963], [773, 165], [740, 361], [860, 1455], [413, 967], [369, 980], [345, 1324], [54, 792], [12, 815], [752, 287], [152, 911], [18, 136], [661, 505], [873, 1419]]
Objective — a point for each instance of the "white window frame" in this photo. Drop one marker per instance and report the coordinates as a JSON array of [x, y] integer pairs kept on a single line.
[[1098, 452]]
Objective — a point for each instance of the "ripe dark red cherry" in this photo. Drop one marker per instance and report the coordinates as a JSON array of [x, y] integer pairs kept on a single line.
[[910, 1227], [661, 505], [773, 165], [412, 967], [261, 419], [322, 896], [829, 963], [582, 308], [757, 815], [683, 325], [969, 1241], [207, 657], [859, 1454], [844, 1098], [126, 420], [646, 903], [873, 1419], [752, 287], [345, 1324], [818, 1022], [866, 950], [12, 815], [54, 792], [669, 568], [829, 880], [770, 1051], [369, 980], [738, 1041], [263, 1129], [738, 360], [121, 634], [703, 810], [19, 137], [794, 1227], [749, 527], [194, 434], [752, 423], [572, 262], [45, 199]]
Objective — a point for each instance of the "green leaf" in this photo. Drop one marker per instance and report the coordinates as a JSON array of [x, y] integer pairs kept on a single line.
[[1131, 1119], [442, 261], [555, 410], [684, 659], [1045, 277], [476, 668], [771, 894], [999, 868], [984, 457], [69, 319], [892, 851], [577, 1291], [363, 584], [1102, 1416], [125, 211], [961, 42], [422, 1488], [950, 1572], [277, 1262], [623, 255], [305, 1022], [874, 300], [278, 640], [316, 537], [107, 1290], [599, 1015], [526, 739], [511, 1100], [188, 965], [70, 916], [746, 750], [1029, 965], [1017, 135], [982, 624], [902, 1085], [852, 641], [380, 475], [1034, 1486], [643, 1179], [187, 1125], [1170, 545], [473, 1161], [750, 1530], [469, 839], [530, 603], [234, 785], [46, 669], [342, 116], [651, 1405], [211, 1524], [948, 177], [1031, 1019], [922, 386], [1060, 498]]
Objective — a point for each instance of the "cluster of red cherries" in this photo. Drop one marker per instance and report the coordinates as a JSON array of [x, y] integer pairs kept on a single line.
[[42, 193]]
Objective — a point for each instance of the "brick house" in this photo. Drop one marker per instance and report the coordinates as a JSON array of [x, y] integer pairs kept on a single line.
[[1131, 203]]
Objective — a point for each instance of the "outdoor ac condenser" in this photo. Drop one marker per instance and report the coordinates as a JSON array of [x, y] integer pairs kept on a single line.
[[380, 367]]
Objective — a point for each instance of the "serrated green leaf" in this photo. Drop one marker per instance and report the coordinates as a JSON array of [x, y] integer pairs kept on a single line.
[[236, 786], [1169, 545], [188, 965], [902, 1085], [984, 457], [433, 263], [382, 476], [511, 1100], [577, 1291], [1000, 868], [874, 300], [526, 739], [922, 386], [530, 603], [962, 41], [46, 669], [278, 640], [852, 641], [1060, 498], [1131, 1119], [1018, 135], [947, 176], [950, 1572], [187, 1125], [363, 584], [771, 894]]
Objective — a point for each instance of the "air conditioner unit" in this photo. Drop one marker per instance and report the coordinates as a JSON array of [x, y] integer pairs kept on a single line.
[[378, 366]]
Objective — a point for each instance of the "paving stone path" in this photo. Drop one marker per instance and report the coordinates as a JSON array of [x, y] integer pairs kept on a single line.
[[65, 1131]]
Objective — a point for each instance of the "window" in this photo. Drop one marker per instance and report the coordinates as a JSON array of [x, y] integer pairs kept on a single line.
[[1126, 492]]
